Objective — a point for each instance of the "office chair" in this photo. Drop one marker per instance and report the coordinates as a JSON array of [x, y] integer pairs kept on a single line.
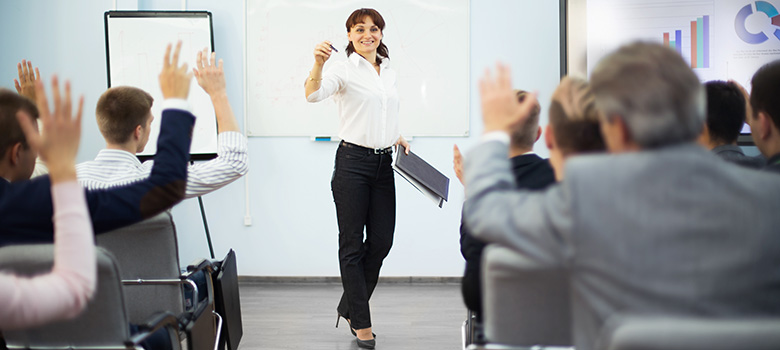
[[688, 333], [104, 324], [524, 304]]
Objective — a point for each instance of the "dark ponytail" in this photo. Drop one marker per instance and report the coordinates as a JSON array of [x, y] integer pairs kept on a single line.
[[357, 17]]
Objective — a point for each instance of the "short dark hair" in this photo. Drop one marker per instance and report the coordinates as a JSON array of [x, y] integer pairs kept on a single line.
[[359, 16], [120, 110], [524, 136], [725, 111], [765, 91], [575, 119], [10, 131]]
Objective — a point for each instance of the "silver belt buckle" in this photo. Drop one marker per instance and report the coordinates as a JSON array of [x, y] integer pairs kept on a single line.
[[383, 150]]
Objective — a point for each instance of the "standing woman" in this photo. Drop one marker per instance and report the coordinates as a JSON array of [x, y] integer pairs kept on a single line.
[[364, 86]]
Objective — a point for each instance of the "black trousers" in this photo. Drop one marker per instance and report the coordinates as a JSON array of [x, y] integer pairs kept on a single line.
[[363, 188]]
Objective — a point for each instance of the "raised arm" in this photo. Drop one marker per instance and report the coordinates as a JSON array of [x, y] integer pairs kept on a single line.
[[63, 293], [28, 218], [232, 159], [211, 77], [322, 53], [536, 224]]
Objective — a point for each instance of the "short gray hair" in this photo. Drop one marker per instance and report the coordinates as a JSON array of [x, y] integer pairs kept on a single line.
[[654, 90]]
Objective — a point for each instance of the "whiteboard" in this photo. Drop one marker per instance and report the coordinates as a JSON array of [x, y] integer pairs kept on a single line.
[[428, 43], [135, 47]]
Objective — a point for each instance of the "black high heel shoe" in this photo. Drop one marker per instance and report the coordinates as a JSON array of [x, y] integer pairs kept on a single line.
[[339, 316], [366, 344]]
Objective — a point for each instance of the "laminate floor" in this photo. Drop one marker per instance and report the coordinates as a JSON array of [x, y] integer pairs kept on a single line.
[[405, 316]]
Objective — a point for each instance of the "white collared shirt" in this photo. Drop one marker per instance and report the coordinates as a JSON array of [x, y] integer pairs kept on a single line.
[[368, 103], [113, 168]]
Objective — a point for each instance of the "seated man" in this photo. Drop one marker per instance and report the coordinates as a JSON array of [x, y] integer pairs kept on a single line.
[[765, 119], [574, 124], [124, 116], [26, 205], [726, 110], [573, 129], [651, 229], [530, 170]]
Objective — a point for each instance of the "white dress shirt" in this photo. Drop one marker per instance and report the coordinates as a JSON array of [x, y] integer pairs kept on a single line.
[[368, 102], [112, 168]]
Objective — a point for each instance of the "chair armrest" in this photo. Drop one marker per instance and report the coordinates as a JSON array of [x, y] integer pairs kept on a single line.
[[155, 322], [198, 265], [183, 280]]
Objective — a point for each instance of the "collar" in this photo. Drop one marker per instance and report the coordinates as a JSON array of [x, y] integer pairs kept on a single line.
[[117, 155], [355, 59], [524, 159], [727, 148]]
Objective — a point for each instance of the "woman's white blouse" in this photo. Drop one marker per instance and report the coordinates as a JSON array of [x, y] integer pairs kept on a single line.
[[368, 103]]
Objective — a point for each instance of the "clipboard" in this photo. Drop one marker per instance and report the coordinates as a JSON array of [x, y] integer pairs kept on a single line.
[[424, 177]]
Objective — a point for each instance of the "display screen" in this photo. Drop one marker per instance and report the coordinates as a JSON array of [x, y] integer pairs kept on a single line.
[[720, 39]]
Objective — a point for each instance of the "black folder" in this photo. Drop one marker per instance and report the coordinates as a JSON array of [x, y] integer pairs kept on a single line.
[[424, 177]]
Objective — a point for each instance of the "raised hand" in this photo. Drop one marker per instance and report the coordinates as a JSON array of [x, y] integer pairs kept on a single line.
[[210, 76], [322, 52], [457, 163], [58, 141], [174, 79], [500, 109], [25, 85]]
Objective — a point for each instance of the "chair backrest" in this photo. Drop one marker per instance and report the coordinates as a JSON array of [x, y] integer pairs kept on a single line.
[[147, 250], [228, 303], [677, 333], [523, 303], [103, 324]]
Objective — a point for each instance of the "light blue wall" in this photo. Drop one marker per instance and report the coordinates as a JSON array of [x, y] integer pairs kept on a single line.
[[293, 231]]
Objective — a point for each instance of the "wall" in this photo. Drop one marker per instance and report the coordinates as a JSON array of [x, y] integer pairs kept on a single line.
[[293, 231]]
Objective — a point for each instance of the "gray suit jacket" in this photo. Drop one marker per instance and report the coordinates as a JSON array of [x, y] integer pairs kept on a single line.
[[664, 232]]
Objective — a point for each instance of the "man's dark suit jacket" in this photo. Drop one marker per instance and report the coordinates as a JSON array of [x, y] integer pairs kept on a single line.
[[26, 206], [531, 172]]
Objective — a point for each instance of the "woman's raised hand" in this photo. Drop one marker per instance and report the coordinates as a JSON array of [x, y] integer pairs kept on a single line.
[[322, 52]]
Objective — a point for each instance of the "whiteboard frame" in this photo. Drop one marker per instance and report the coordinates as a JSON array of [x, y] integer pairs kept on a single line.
[[168, 14]]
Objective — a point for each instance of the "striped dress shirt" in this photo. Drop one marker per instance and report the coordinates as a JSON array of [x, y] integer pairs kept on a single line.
[[112, 168]]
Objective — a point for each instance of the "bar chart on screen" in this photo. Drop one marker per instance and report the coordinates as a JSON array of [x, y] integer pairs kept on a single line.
[[699, 42], [684, 26]]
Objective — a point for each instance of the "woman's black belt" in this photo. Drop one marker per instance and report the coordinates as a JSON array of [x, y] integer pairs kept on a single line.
[[388, 150]]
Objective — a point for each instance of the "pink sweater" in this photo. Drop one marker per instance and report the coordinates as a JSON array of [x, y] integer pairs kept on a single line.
[[64, 292]]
